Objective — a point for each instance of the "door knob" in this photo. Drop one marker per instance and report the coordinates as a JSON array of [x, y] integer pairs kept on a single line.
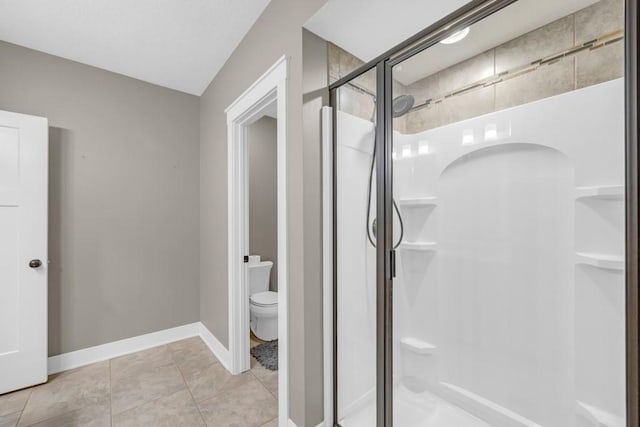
[[35, 263]]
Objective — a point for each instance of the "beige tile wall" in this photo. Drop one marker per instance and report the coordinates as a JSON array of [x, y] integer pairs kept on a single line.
[[350, 100], [583, 69]]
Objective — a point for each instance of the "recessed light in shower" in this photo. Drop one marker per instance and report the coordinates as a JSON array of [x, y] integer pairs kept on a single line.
[[456, 37]]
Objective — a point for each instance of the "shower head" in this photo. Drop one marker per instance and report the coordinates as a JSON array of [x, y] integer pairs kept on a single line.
[[402, 105]]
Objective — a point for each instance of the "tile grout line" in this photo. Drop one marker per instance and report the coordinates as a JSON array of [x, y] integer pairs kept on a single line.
[[216, 394], [186, 384], [174, 363], [157, 398], [49, 378], [145, 402], [575, 59], [219, 392], [25, 405], [264, 384], [150, 401]]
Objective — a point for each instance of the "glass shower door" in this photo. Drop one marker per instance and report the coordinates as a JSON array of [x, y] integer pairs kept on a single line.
[[355, 287], [508, 171]]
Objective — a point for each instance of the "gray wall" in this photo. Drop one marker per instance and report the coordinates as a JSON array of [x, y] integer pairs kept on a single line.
[[263, 195], [277, 32], [123, 197], [315, 95]]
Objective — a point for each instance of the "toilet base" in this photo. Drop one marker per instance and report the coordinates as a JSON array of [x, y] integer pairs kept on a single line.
[[264, 328]]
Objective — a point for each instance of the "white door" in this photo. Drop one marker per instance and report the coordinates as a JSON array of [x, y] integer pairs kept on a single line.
[[23, 250]]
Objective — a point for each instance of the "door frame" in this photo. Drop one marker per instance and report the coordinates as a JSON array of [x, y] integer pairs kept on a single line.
[[270, 88], [470, 13]]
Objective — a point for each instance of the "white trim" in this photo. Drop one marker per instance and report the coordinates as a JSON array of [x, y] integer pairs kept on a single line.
[[292, 424], [250, 106], [216, 347], [99, 353], [327, 258], [263, 77], [86, 356]]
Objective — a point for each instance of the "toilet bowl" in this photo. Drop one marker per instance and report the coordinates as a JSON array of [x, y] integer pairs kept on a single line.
[[263, 303]]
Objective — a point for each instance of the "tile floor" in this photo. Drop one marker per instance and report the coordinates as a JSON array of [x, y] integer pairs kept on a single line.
[[179, 384]]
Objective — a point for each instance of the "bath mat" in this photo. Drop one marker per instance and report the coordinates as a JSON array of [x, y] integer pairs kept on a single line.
[[267, 354]]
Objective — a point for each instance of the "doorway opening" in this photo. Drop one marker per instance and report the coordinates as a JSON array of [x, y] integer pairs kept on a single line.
[[257, 224], [262, 262]]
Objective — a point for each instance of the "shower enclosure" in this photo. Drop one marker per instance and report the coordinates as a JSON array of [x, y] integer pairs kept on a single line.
[[482, 172]]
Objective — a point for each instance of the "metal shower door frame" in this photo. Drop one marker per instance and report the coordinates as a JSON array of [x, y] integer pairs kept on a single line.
[[469, 14]]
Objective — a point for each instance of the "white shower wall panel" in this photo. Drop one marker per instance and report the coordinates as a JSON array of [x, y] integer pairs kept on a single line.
[[519, 323]]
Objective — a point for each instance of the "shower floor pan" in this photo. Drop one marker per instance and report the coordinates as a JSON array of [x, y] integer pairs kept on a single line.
[[416, 410]]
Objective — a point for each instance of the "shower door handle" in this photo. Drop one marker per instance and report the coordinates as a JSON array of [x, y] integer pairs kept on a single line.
[[393, 263]]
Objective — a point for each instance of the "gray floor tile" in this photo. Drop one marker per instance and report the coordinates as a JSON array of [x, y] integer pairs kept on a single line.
[[268, 378], [9, 420], [96, 416], [178, 409], [213, 380], [66, 392], [272, 423], [248, 405], [133, 363], [192, 356], [154, 387], [144, 385], [14, 402]]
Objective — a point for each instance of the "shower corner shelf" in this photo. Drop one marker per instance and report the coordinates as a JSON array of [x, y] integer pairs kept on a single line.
[[609, 262], [418, 246], [605, 192], [418, 202], [599, 417], [416, 345]]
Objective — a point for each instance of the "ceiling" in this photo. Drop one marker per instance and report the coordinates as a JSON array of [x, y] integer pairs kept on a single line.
[[367, 28], [366, 32], [172, 43]]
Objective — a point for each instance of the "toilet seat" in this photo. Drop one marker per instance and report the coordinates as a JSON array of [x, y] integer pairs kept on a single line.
[[264, 299]]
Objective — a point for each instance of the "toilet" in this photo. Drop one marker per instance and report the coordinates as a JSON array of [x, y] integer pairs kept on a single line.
[[263, 306]]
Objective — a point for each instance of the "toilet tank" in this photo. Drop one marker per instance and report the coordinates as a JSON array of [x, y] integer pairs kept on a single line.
[[259, 277]]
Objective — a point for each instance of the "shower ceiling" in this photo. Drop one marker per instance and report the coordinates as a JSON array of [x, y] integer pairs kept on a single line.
[[367, 31]]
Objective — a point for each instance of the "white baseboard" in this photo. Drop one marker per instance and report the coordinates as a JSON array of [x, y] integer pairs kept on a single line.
[[292, 424], [216, 347], [86, 356]]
